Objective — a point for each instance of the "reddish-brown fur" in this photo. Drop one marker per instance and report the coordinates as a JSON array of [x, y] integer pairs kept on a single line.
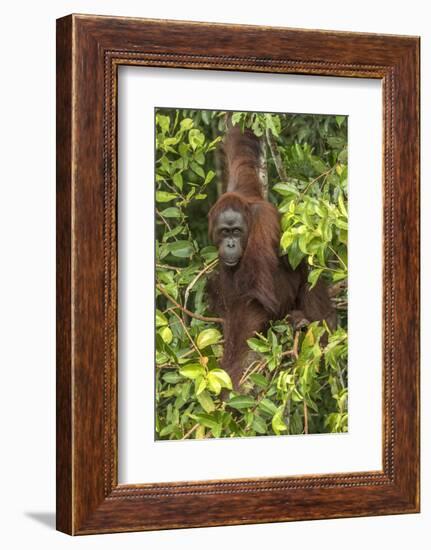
[[263, 286]]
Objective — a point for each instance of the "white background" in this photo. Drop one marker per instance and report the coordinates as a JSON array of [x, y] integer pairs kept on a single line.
[[27, 118], [141, 458]]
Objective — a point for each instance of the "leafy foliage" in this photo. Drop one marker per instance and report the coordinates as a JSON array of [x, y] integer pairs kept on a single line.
[[297, 382]]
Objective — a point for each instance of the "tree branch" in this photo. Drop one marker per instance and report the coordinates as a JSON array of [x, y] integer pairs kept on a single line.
[[315, 179], [275, 155], [295, 353], [187, 333], [201, 272], [188, 312], [263, 170], [190, 431], [164, 221]]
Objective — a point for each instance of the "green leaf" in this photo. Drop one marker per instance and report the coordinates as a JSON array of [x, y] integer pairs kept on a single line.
[[339, 276], [285, 380], [163, 121], [287, 239], [161, 357], [161, 320], [206, 402], [175, 231], [273, 123], [178, 180], [257, 345], [190, 193], [206, 116], [343, 236], [171, 212], [170, 141], [200, 158], [209, 253], [213, 143], [236, 117], [241, 402], [214, 384], [192, 371], [259, 380], [339, 119], [312, 404], [309, 339], [200, 432], [201, 384], [209, 177], [184, 151], [196, 139], [258, 128], [197, 169], [259, 425], [342, 156], [285, 189], [341, 224], [313, 276], [181, 249], [186, 124], [296, 396], [166, 165], [303, 242], [336, 142], [167, 430], [165, 196], [294, 254], [207, 421], [299, 152], [208, 337], [166, 334], [267, 406], [277, 422], [222, 377], [341, 205], [172, 377]]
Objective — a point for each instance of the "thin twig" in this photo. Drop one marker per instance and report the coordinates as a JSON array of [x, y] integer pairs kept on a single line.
[[164, 220], [314, 181], [188, 312], [218, 160], [255, 366], [305, 418], [198, 276], [190, 431], [166, 266], [295, 344], [252, 368], [296, 354], [288, 352], [344, 265], [275, 155], [263, 170], [187, 333]]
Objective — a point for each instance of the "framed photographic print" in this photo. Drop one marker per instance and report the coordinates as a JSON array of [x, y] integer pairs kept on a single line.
[[237, 274]]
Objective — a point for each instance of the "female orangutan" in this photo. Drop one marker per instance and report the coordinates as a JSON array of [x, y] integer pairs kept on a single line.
[[253, 285]]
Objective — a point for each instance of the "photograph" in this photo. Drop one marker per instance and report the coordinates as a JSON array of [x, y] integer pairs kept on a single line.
[[251, 271], [237, 256]]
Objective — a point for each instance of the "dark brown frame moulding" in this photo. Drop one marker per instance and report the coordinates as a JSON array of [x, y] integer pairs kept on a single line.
[[89, 51]]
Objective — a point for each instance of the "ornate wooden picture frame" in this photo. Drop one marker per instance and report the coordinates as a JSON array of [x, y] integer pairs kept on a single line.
[[89, 51]]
